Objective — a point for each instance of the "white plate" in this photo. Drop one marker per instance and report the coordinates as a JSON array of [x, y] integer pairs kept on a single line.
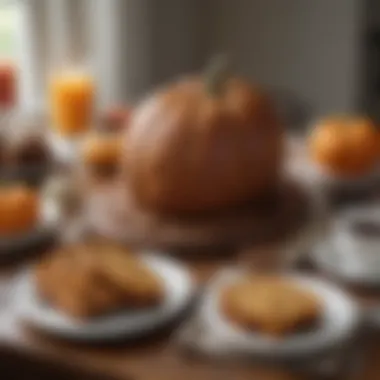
[[353, 258], [179, 288], [329, 258], [339, 322], [300, 163], [44, 230]]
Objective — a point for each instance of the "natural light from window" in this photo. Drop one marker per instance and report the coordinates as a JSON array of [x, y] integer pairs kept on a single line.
[[8, 23]]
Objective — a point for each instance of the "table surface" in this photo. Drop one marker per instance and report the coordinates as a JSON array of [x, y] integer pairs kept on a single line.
[[158, 357]]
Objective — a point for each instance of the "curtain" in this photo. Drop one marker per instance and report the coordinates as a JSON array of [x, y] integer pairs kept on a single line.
[[130, 45]]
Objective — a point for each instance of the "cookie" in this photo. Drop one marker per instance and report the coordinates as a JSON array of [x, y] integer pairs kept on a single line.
[[270, 305], [90, 279]]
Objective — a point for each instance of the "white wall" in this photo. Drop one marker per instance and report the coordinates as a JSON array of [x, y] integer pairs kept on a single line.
[[309, 46], [139, 44]]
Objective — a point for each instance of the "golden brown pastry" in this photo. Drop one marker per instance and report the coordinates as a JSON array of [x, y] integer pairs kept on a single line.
[[91, 279], [135, 280], [19, 209], [270, 305], [101, 152], [202, 144]]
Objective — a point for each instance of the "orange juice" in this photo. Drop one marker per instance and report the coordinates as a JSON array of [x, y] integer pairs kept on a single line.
[[72, 98]]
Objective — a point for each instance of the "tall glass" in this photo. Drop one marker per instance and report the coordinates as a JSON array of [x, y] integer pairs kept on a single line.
[[71, 96]]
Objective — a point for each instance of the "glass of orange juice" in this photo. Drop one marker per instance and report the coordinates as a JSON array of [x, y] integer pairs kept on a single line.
[[72, 95]]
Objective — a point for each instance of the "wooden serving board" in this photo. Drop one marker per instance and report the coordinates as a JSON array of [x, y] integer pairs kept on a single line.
[[112, 212]]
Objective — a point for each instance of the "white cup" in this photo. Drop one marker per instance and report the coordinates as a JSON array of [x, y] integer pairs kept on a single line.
[[356, 238]]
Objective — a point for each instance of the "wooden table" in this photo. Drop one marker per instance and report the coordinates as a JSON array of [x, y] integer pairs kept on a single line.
[[158, 357]]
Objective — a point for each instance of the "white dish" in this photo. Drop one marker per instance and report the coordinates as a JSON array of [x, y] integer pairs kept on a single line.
[[338, 323], [179, 291], [360, 246], [43, 231], [329, 258], [300, 163], [348, 254]]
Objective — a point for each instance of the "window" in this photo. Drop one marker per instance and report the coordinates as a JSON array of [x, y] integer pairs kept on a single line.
[[9, 12]]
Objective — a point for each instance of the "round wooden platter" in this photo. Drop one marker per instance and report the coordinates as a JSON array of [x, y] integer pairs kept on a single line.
[[112, 212]]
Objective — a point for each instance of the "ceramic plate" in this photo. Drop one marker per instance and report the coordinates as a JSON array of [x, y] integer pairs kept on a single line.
[[130, 323], [43, 231], [303, 167], [329, 258], [339, 321]]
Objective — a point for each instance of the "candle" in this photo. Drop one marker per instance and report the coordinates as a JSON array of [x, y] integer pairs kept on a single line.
[[7, 85], [72, 98]]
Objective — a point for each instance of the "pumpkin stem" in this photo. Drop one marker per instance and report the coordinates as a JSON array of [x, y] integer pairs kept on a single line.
[[216, 75]]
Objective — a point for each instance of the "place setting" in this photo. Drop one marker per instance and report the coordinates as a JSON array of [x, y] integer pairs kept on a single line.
[[99, 291]]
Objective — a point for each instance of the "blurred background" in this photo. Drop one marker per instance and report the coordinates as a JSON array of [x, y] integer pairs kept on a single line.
[[317, 56]]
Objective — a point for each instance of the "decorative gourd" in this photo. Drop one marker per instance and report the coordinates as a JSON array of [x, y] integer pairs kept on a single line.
[[19, 209], [346, 146], [202, 144], [102, 149]]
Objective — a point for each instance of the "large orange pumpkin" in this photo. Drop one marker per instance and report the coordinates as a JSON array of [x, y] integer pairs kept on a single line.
[[345, 146], [203, 144]]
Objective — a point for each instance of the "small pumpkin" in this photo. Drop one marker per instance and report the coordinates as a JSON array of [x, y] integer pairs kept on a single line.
[[345, 146], [203, 143], [19, 209], [102, 150]]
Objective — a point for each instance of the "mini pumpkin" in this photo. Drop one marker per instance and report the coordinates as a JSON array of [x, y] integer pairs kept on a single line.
[[102, 151], [19, 209], [345, 146], [203, 143]]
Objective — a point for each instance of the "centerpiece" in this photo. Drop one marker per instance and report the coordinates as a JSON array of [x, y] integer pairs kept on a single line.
[[202, 164]]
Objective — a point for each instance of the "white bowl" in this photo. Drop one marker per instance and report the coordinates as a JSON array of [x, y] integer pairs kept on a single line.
[[304, 167], [347, 254], [364, 247]]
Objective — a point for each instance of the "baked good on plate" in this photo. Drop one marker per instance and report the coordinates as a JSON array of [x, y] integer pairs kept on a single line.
[[89, 279], [270, 305], [203, 143], [19, 209]]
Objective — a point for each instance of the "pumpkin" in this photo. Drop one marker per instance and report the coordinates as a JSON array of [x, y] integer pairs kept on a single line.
[[102, 150], [19, 209], [345, 146], [203, 143]]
